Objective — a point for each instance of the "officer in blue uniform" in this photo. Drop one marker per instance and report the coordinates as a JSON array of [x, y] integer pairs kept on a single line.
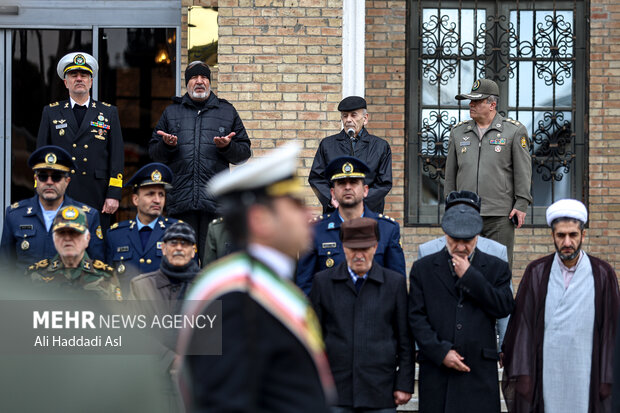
[[347, 187], [133, 247], [27, 235]]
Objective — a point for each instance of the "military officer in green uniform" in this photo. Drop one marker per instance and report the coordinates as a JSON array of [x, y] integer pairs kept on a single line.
[[91, 132], [71, 267], [219, 243], [490, 155]]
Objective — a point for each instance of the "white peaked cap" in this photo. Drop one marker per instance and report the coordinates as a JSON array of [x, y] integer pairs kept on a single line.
[[277, 165]]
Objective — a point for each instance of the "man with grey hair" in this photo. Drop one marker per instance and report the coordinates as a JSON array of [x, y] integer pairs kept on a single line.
[[197, 136], [353, 140], [559, 344], [490, 155]]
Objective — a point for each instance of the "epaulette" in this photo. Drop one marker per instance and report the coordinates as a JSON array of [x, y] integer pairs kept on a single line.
[[114, 226], [460, 123], [102, 266], [14, 205], [386, 217], [54, 104], [105, 104], [216, 220], [317, 218], [85, 208], [514, 122]]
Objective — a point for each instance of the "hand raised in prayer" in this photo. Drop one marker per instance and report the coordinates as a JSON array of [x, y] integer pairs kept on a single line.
[[168, 138], [223, 141], [454, 360]]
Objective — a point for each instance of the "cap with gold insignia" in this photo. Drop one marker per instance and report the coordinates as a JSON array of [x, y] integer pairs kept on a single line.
[[346, 167], [70, 217], [77, 61], [51, 157], [273, 175], [151, 174], [481, 89]]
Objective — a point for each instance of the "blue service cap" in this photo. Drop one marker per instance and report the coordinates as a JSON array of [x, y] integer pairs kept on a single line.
[[346, 167], [51, 157], [154, 173]]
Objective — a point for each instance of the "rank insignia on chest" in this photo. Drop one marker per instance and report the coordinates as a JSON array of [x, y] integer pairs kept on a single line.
[[25, 245], [329, 263], [466, 143], [499, 141]]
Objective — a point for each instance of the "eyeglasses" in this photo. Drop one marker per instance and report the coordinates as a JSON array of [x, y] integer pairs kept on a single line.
[[56, 176], [181, 242]]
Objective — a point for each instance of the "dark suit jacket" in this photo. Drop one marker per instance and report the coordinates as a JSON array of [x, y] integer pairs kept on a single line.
[[366, 334], [96, 147], [449, 313]]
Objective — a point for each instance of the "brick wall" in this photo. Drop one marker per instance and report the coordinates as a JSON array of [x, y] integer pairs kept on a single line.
[[604, 127]]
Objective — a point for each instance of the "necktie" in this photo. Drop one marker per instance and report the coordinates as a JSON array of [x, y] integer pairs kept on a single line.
[[79, 112], [358, 284], [145, 233]]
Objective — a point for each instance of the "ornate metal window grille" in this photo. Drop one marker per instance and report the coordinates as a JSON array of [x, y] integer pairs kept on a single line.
[[536, 53]]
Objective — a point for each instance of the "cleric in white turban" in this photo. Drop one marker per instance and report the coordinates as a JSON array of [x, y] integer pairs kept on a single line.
[[560, 339]]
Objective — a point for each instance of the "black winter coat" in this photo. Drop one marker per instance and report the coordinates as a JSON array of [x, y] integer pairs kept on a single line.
[[195, 158], [374, 151], [449, 313]]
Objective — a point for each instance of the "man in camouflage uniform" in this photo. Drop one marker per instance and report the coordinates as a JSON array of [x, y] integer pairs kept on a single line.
[[71, 267], [490, 155]]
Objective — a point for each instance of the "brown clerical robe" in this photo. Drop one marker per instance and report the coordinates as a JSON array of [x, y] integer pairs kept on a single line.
[[523, 343]]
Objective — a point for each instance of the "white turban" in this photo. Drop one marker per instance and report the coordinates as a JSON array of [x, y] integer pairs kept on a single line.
[[567, 208]]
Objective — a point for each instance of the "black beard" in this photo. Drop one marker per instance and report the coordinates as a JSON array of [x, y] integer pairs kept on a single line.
[[571, 256]]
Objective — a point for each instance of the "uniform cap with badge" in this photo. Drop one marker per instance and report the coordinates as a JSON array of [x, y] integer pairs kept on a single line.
[[71, 217], [346, 167], [463, 197], [481, 89], [51, 157], [151, 174], [77, 61], [274, 175]]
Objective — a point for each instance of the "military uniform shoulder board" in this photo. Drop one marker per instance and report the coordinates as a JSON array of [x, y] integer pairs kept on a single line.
[[317, 218], [14, 205], [54, 104], [106, 104], [459, 124], [114, 226], [85, 208], [387, 218]]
